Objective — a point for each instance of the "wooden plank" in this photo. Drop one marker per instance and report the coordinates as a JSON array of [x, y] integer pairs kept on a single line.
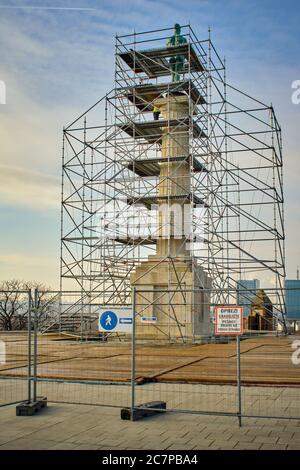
[[265, 361], [154, 62]]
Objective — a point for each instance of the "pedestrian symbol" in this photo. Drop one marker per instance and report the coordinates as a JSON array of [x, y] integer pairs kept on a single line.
[[115, 318], [108, 320]]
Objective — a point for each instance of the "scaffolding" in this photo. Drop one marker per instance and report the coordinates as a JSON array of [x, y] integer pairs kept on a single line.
[[112, 180]]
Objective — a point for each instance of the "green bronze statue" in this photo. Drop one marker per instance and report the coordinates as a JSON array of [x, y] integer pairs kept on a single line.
[[176, 62]]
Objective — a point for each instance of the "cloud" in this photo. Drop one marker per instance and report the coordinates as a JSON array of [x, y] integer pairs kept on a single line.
[[30, 189], [30, 267], [15, 258]]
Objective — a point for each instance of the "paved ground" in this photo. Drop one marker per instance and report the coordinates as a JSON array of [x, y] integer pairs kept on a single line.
[[64, 426], [256, 401]]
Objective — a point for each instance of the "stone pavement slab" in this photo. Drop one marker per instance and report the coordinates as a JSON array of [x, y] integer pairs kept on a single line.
[[65, 426]]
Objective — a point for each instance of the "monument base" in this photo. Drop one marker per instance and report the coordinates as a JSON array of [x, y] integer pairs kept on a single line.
[[171, 303]]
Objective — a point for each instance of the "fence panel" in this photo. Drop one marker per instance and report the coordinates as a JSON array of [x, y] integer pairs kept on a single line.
[[75, 364], [190, 372], [72, 370], [15, 347], [270, 378]]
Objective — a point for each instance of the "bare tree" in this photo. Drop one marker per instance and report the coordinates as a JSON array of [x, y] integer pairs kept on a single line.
[[47, 303], [12, 304], [14, 300]]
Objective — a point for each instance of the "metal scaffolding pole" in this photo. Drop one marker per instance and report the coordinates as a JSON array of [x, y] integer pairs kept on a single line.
[[112, 179]]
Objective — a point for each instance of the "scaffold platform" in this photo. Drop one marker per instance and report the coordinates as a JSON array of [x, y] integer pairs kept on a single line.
[[142, 96], [149, 201], [152, 131], [151, 166], [154, 62]]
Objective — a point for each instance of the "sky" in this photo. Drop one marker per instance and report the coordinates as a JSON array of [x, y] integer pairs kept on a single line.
[[56, 59]]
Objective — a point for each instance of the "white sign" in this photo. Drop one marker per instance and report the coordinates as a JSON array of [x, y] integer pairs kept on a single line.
[[115, 319], [229, 320], [149, 319], [2, 352]]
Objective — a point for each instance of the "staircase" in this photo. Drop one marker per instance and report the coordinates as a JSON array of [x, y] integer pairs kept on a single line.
[[69, 321]]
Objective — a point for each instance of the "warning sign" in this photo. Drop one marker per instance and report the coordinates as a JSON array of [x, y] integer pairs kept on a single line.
[[229, 320]]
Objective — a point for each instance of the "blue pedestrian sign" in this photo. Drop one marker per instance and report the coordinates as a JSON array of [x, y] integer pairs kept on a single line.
[[108, 320], [115, 319]]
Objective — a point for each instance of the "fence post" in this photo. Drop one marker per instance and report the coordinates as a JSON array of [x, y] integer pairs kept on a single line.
[[29, 348], [133, 355], [238, 371], [36, 293]]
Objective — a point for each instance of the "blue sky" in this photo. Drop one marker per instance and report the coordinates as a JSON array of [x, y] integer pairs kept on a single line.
[[56, 62]]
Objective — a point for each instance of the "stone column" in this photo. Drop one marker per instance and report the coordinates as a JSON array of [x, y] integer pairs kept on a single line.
[[174, 178]]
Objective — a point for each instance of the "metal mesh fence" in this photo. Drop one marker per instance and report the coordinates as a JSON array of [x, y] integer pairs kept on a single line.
[[190, 372], [274, 376]]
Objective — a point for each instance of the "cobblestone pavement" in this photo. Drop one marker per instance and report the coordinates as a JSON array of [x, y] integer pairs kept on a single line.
[[65, 426]]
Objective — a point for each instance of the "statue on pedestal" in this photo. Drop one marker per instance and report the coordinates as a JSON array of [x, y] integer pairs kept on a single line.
[[176, 62]]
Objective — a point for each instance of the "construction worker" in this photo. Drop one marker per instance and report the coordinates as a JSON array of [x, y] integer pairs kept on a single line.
[[156, 113]]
